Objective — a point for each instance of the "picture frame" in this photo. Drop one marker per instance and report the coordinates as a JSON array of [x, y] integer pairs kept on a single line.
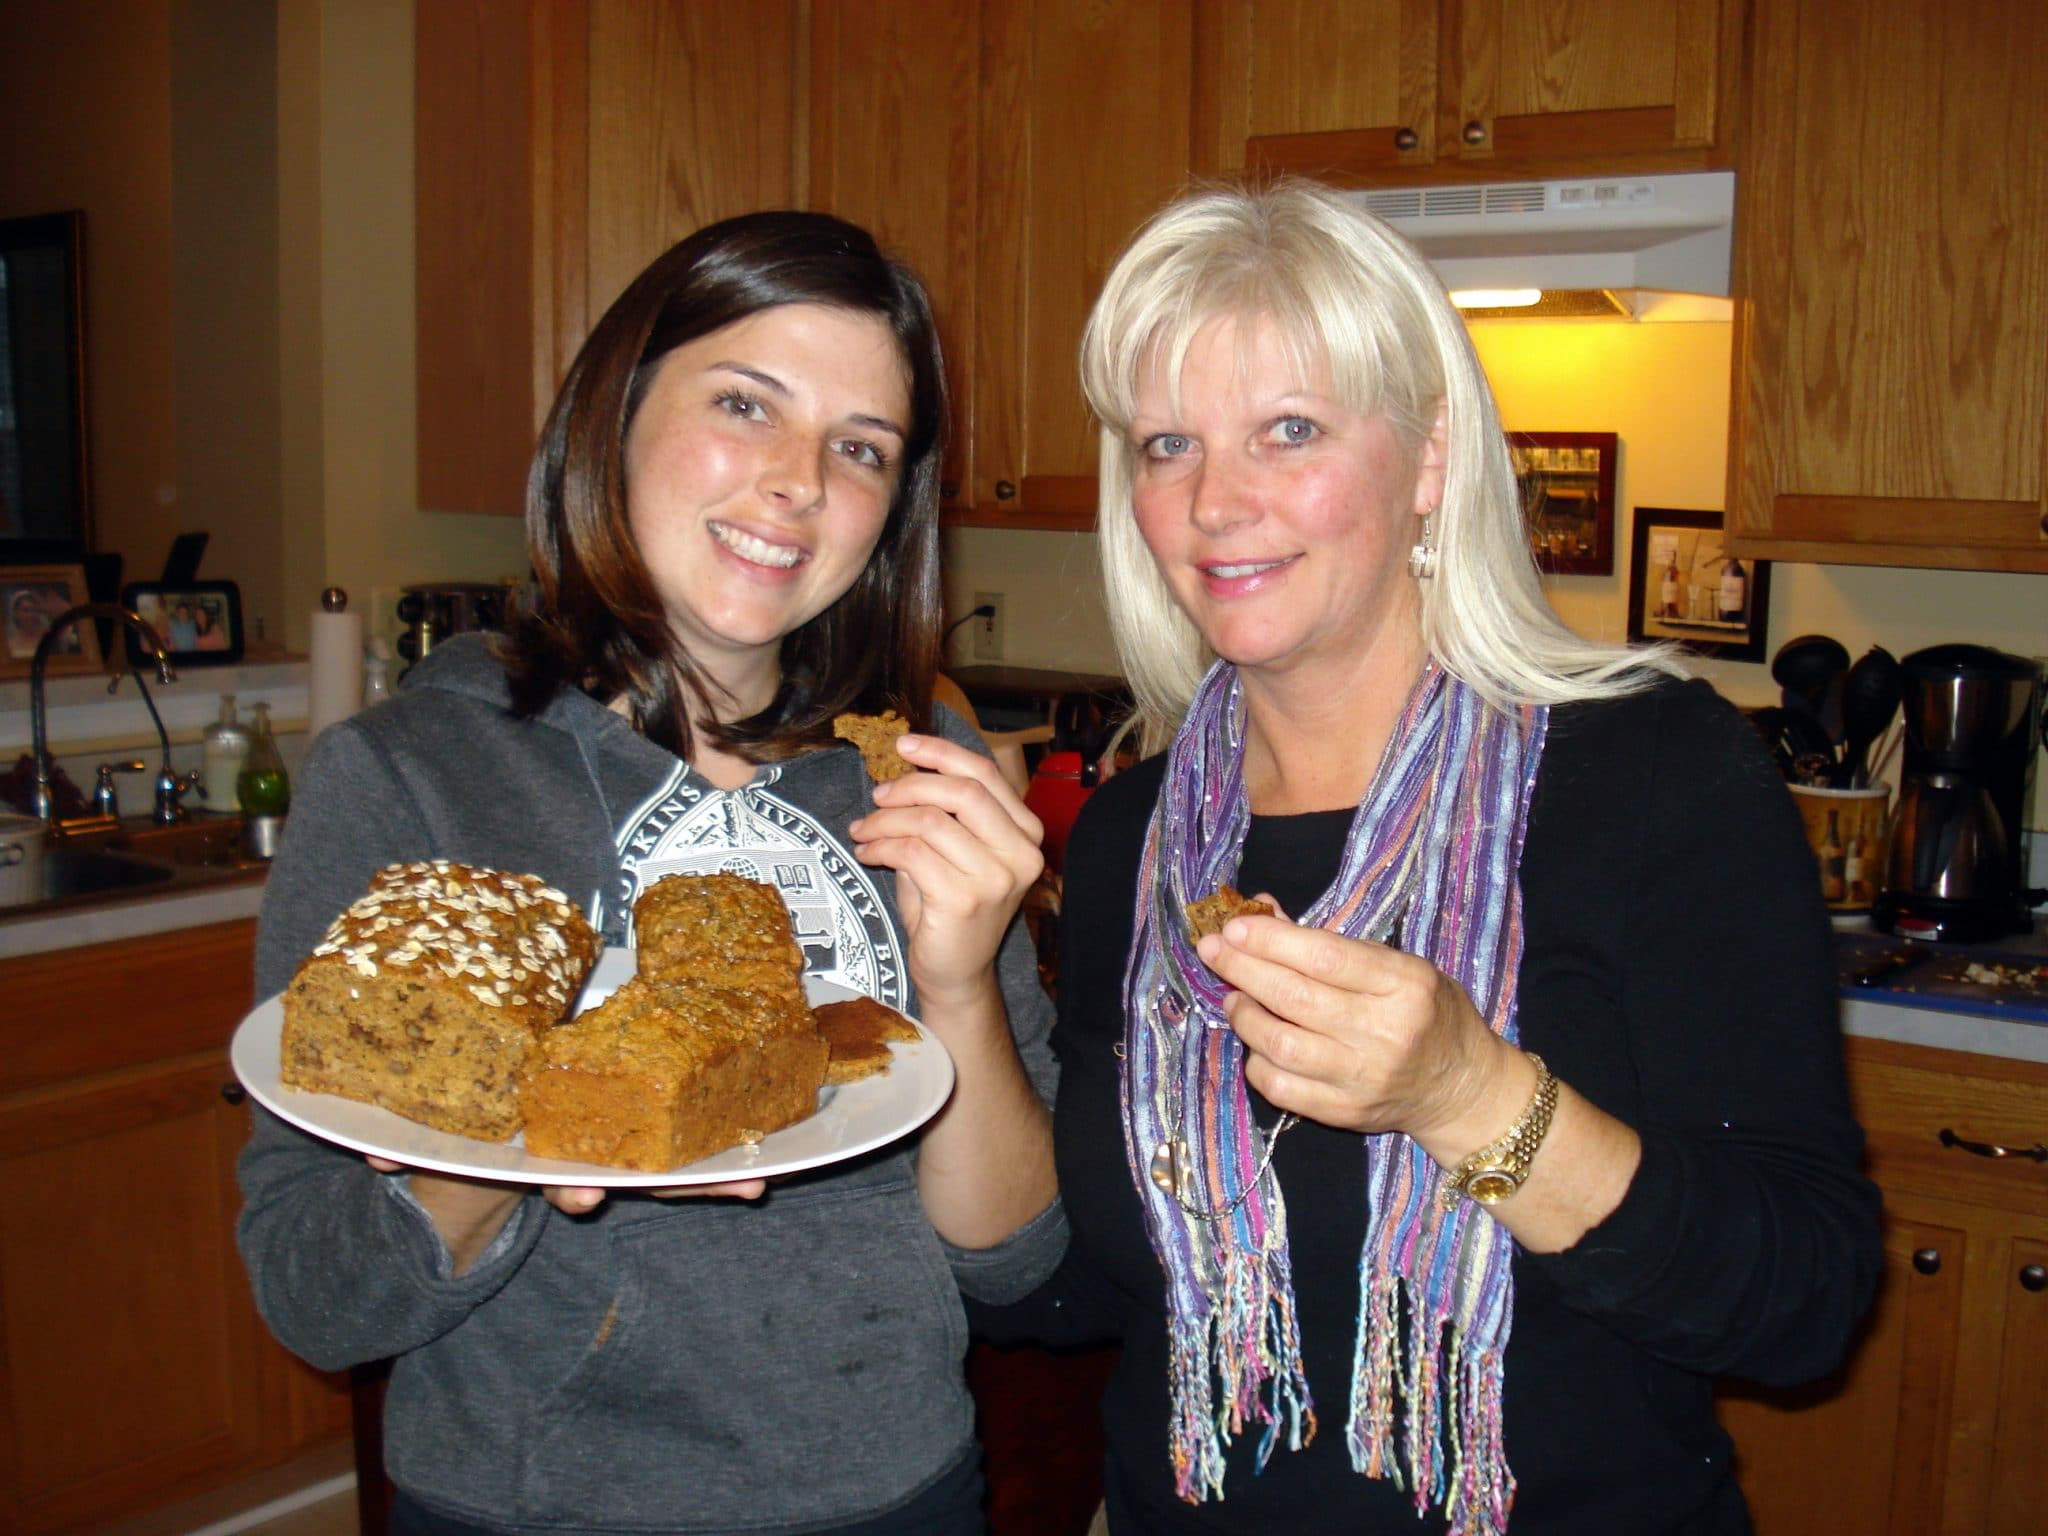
[[1567, 484], [200, 621], [31, 599], [1678, 590]]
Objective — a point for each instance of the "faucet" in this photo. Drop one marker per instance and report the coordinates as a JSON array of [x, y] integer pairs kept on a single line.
[[168, 784]]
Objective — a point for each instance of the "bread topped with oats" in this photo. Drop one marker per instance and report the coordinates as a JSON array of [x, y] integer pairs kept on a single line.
[[426, 995]]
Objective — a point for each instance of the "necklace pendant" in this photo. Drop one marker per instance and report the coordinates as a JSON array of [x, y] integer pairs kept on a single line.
[[1166, 1162]]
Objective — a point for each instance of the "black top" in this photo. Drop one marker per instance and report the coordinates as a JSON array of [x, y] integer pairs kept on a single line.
[[1677, 973]]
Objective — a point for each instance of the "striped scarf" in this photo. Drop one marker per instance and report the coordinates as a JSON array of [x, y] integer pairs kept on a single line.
[[1438, 838]]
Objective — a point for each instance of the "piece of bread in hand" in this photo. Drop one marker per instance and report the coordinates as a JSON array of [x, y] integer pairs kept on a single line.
[[876, 735], [858, 1031], [1210, 913]]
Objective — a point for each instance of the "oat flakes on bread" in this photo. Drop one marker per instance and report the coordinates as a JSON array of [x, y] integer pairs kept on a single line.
[[876, 735], [858, 1031], [426, 995], [1210, 913], [663, 1073], [724, 929]]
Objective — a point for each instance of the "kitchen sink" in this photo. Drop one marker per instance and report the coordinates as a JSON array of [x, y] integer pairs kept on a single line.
[[92, 872], [96, 861], [213, 842]]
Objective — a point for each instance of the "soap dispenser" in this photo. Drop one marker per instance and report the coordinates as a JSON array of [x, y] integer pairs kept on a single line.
[[226, 750], [264, 791]]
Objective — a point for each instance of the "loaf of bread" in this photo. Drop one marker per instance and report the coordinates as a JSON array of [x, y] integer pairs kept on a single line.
[[663, 1073], [876, 735], [722, 929], [858, 1032], [426, 995]]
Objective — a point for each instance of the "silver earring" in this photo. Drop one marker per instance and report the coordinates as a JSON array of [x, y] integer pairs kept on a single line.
[[1422, 558]]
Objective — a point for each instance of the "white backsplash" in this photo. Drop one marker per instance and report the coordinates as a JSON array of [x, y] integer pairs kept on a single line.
[[87, 726]]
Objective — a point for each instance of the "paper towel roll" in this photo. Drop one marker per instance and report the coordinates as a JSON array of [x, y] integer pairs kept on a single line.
[[334, 690]]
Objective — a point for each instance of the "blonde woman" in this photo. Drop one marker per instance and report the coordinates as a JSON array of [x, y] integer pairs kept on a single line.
[[1432, 1194]]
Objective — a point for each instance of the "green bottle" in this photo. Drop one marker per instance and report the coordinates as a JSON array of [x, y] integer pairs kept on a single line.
[[262, 787]]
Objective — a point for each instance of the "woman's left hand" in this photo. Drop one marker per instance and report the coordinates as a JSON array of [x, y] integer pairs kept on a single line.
[[965, 850], [1350, 1033]]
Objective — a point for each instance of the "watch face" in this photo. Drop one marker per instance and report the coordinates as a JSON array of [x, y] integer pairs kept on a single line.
[[1491, 1188]]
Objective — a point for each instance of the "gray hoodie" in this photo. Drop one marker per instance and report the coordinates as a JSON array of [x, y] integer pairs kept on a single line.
[[687, 1366]]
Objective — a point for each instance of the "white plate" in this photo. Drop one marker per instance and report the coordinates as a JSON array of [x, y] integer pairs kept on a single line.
[[852, 1118]]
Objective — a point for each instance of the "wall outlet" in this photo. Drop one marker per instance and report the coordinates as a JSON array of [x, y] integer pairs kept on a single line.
[[988, 630]]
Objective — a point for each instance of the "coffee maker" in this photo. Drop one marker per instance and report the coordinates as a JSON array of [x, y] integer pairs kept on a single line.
[[1958, 864]]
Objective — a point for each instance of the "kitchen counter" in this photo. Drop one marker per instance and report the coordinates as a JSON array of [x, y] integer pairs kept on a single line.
[[165, 908], [1986, 1021]]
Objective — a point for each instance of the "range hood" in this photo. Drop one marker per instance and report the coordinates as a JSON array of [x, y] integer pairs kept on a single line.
[[1658, 245]]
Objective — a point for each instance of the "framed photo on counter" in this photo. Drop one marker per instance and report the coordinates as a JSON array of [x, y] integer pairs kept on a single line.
[[1683, 587], [1567, 481], [200, 621], [32, 597]]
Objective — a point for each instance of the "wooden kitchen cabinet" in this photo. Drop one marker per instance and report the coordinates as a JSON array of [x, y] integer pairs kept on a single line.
[[1931, 1428], [894, 140], [1890, 400], [133, 1368], [1009, 150], [559, 146], [1390, 91]]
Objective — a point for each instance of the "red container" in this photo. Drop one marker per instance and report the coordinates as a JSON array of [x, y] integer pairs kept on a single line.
[[1055, 796]]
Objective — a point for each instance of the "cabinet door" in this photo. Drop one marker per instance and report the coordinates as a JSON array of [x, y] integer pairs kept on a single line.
[[493, 267], [2019, 1475], [128, 1337], [561, 145], [1891, 380], [1552, 79], [1866, 1450], [692, 119], [1394, 91], [893, 137], [1302, 84], [1084, 132]]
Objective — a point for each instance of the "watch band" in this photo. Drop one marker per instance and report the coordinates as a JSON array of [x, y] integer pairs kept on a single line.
[[1499, 1168]]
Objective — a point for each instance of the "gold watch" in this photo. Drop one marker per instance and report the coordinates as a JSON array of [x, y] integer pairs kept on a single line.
[[1501, 1167]]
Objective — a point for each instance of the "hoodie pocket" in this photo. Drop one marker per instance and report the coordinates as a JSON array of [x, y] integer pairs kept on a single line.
[[759, 1366]]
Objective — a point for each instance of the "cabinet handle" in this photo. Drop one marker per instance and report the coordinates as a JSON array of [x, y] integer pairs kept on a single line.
[[949, 490], [2034, 1278], [234, 1093], [1406, 138], [1927, 1260], [1475, 132], [2037, 1152], [1005, 491]]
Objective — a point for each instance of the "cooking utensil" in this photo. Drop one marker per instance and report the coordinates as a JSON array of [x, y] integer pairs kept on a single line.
[[22, 839], [1870, 697], [1809, 668]]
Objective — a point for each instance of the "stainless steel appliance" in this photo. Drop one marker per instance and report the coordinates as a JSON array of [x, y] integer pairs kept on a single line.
[[1957, 868], [434, 611]]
